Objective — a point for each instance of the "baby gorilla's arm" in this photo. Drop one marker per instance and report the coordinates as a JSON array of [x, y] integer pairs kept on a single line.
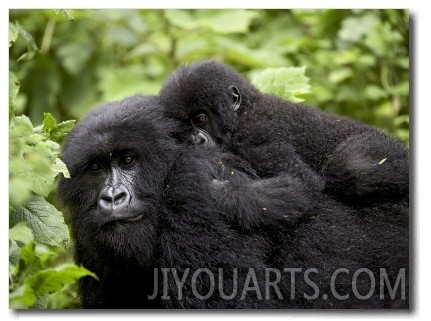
[[252, 202], [367, 167], [230, 186]]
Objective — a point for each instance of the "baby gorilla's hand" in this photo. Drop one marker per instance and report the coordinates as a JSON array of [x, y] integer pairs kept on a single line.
[[250, 203]]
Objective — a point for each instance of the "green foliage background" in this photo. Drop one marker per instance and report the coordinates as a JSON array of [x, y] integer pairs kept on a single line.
[[63, 62]]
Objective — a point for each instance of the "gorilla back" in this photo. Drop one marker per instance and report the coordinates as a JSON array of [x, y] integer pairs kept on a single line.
[[217, 105]]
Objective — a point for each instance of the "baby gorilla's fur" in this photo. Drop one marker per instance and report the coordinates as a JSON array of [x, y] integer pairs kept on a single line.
[[353, 161]]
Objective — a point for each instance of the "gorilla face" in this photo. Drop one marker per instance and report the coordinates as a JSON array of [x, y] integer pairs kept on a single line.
[[117, 177], [202, 131], [205, 98], [205, 127]]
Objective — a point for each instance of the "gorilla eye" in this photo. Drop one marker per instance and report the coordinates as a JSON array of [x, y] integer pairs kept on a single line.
[[128, 160], [94, 167], [200, 119]]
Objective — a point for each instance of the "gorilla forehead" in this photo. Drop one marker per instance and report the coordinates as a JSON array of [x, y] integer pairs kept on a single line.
[[134, 123], [201, 84]]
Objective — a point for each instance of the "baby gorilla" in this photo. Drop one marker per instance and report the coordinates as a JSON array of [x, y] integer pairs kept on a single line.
[[218, 106]]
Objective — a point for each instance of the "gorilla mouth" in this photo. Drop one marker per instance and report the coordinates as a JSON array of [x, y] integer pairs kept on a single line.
[[132, 219], [123, 219]]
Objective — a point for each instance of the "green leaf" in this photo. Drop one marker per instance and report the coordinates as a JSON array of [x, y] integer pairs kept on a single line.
[[60, 167], [21, 126], [29, 257], [19, 190], [285, 82], [180, 18], [13, 34], [126, 81], [33, 158], [45, 221], [31, 44], [14, 253], [68, 13], [48, 123], [61, 130], [374, 92], [75, 55], [226, 21], [22, 297], [13, 85], [43, 282], [31, 170], [21, 232], [41, 302], [241, 54], [13, 92], [34, 256], [354, 28], [218, 21], [339, 75], [402, 119], [54, 279]]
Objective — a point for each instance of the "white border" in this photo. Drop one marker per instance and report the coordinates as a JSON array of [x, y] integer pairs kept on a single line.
[[269, 4], [421, 112]]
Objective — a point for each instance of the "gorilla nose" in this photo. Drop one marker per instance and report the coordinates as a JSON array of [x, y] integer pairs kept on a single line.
[[199, 139], [113, 198]]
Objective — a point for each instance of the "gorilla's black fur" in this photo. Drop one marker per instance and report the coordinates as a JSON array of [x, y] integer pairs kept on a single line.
[[166, 220], [216, 104], [139, 201]]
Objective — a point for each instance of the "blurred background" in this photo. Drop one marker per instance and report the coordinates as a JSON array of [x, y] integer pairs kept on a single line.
[[71, 60], [64, 62]]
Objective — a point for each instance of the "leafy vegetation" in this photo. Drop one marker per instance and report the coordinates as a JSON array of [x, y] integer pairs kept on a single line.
[[63, 62], [38, 234], [37, 229]]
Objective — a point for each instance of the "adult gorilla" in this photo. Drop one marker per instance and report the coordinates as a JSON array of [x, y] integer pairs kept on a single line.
[[139, 201], [128, 218]]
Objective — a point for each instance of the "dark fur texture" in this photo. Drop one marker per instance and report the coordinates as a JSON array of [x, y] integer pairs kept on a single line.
[[182, 227], [357, 162], [207, 209]]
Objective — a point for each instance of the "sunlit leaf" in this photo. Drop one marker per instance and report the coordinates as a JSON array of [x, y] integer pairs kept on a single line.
[[181, 18], [21, 297], [60, 167], [21, 232], [13, 34], [340, 75], [225, 21], [21, 126], [61, 130], [354, 28], [53, 279], [374, 92], [48, 123], [285, 82]]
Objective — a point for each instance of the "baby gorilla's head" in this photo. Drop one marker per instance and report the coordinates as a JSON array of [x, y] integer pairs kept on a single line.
[[205, 98]]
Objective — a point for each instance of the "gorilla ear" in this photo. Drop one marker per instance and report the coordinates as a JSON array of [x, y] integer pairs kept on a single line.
[[236, 95]]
